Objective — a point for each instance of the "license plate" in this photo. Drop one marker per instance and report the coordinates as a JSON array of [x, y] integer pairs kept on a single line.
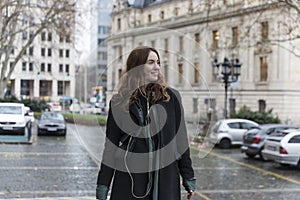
[[7, 128], [272, 148], [52, 129]]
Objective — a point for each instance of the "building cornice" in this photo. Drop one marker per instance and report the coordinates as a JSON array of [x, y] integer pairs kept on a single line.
[[190, 20]]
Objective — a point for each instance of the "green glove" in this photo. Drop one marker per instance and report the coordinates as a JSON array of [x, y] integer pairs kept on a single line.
[[189, 184], [101, 192]]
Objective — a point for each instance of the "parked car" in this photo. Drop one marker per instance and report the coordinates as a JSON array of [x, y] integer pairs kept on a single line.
[[54, 106], [95, 109], [13, 119], [254, 139], [228, 132], [75, 108], [52, 122], [283, 147]]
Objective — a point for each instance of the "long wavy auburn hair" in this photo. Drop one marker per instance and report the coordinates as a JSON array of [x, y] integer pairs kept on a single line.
[[133, 83]]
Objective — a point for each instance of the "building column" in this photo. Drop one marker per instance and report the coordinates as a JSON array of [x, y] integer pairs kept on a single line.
[[54, 89], [36, 88], [18, 87]]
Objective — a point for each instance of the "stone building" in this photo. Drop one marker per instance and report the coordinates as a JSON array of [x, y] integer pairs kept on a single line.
[[190, 34]]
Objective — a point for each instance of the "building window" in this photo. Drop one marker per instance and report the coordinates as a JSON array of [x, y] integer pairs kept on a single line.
[[196, 73], [24, 35], [61, 68], [43, 51], [101, 42], [162, 14], [149, 18], [67, 68], [42, 67], [180, 73], [166, 45], [43, 36], [261, 105], [49, 67], [181, 43], [67, 53], [120, 53], [61, 38], [264, 31], [68, 38], [49, 37], [24, 66], [232, 105], [176, 11], [30, 34], [120, 73], [25, 89], [31, 51], [235, 36], [61, 53], [119, 24], [216, 38], [49, 52], [195, 105], [153, 43], [60, 88], [263, 69], [31, 66], [197, 40]]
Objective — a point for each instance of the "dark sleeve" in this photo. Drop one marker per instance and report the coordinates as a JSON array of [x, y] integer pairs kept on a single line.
[[184, 162], [113, 134]]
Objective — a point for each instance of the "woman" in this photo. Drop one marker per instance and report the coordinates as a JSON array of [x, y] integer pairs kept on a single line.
[[146, 148]]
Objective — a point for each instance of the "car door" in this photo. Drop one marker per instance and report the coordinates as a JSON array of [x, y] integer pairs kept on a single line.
[[293, 147], [236, 132], [243, 127]]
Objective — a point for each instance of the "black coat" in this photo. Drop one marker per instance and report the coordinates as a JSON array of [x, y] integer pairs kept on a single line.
[[171, 141]]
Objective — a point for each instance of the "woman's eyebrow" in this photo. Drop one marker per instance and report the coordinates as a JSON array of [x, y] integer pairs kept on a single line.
[[152, 60]]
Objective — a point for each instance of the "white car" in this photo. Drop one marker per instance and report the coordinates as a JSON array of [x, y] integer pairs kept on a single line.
[[283, 148], [13, 119], [228, 132]]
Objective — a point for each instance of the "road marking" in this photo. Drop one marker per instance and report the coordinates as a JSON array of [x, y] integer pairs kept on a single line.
[[202, 195], [250, 190], [250, 166], [50, 168], [40, 153], [43, 192]]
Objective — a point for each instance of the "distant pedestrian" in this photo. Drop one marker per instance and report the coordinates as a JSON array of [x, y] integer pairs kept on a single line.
[[146, 148]]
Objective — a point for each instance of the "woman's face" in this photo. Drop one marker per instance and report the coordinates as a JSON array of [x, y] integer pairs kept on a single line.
[[151, 67]]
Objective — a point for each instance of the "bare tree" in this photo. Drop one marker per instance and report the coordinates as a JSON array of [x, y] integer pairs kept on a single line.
[[25, 20], [293, 3]]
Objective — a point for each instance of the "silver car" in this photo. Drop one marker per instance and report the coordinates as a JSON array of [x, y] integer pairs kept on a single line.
[[228, 132], [283, 148], [254, 139]]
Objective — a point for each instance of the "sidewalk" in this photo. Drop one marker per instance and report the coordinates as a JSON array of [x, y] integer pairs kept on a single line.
[[57, 198]]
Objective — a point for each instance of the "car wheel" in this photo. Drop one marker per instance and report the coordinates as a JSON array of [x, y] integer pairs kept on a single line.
[[250, 155], [298, 165], [65, 133], [225, 143], [261, 156], [38, 132]]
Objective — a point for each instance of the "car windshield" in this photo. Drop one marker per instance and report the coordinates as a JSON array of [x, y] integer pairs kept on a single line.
[[15, 110], [52, 116], [282, 132]]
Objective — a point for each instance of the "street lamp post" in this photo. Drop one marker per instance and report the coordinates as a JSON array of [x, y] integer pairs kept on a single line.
[[230, 72]]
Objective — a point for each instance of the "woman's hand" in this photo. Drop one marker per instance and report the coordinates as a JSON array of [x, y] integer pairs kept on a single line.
[[190, 194]]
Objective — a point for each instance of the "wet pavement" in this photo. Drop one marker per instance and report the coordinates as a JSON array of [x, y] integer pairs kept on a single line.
[[66, 168]]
